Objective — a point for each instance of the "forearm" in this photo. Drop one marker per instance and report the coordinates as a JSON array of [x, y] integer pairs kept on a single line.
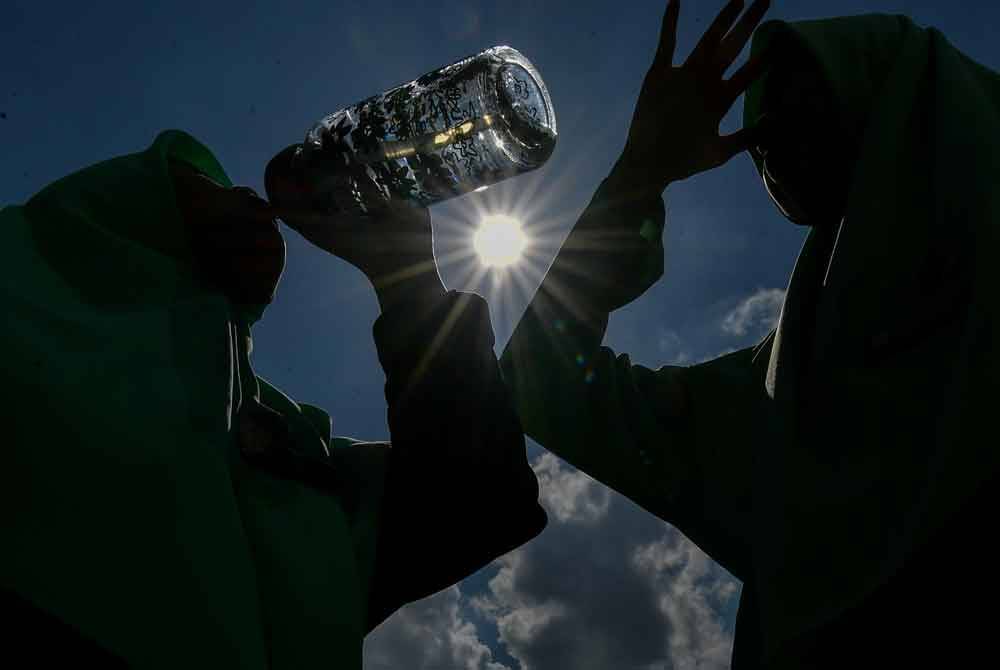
[[459, 490], [447, 403], [416, 284], [652, 435], [554, 357], [436, 348], [612, 255]]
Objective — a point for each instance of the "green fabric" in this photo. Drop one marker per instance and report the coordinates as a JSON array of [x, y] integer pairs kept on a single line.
[[813, 464], [126, 507], [910, 295]]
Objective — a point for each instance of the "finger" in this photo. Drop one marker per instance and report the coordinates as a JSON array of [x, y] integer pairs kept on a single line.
[[709, 42], [750, 72], [668, 36], [737, 38]]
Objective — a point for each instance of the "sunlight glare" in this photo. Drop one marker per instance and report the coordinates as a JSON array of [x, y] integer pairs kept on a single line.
[[499, 241]]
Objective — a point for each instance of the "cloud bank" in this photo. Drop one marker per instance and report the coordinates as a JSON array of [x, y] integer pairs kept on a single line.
[[606, 586]]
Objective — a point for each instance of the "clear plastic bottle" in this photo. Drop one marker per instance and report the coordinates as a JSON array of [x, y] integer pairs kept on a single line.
[[457, 129]]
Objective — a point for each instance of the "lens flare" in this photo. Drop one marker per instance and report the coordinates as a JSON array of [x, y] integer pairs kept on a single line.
[[499, 241]]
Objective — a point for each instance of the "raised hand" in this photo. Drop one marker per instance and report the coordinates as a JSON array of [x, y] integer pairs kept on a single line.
[[675, 126]]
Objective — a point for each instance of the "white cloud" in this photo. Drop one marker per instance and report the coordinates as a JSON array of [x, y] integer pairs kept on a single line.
[[607, 586], [756, 314], [568, 494], [691, 592], [430, 634], [616, 590]]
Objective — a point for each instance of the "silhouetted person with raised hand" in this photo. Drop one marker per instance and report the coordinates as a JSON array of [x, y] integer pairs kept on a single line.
[[843, 468], [161, 506]]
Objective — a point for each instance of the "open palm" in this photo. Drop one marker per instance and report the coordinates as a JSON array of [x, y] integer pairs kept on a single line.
[[675, 126]]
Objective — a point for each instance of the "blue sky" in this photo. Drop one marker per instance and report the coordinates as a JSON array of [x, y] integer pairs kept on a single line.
[[81, 82]]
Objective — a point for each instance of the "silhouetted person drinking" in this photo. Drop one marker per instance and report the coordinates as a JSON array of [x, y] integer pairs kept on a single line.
[[162, 505], [842, 468]]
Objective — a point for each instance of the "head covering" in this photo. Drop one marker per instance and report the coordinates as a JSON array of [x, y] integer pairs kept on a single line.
[[856, 55], [114, 232], [921, 220], [123, 485]]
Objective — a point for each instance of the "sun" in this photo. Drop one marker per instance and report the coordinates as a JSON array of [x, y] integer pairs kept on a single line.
[[499, 241]]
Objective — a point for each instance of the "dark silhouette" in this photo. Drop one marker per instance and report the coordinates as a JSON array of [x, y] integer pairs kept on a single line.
[[843, 468], [162, 506]]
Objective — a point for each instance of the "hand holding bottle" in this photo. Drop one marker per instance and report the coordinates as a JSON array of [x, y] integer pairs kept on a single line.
[[392, 245]]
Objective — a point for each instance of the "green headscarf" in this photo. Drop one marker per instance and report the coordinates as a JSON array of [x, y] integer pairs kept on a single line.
[[125, 208], [923, 210], [126, 507]]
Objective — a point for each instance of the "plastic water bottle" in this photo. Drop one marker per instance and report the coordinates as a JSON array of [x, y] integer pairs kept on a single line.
[[457, 129]]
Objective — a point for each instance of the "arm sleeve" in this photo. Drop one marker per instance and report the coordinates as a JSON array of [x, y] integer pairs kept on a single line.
[[457, 489], [668, 439]]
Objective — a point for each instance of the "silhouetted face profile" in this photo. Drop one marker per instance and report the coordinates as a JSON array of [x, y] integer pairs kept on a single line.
[[806, 165], [236, 241]]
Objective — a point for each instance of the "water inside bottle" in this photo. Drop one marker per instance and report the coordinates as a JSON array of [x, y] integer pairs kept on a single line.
[[456, 130]]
